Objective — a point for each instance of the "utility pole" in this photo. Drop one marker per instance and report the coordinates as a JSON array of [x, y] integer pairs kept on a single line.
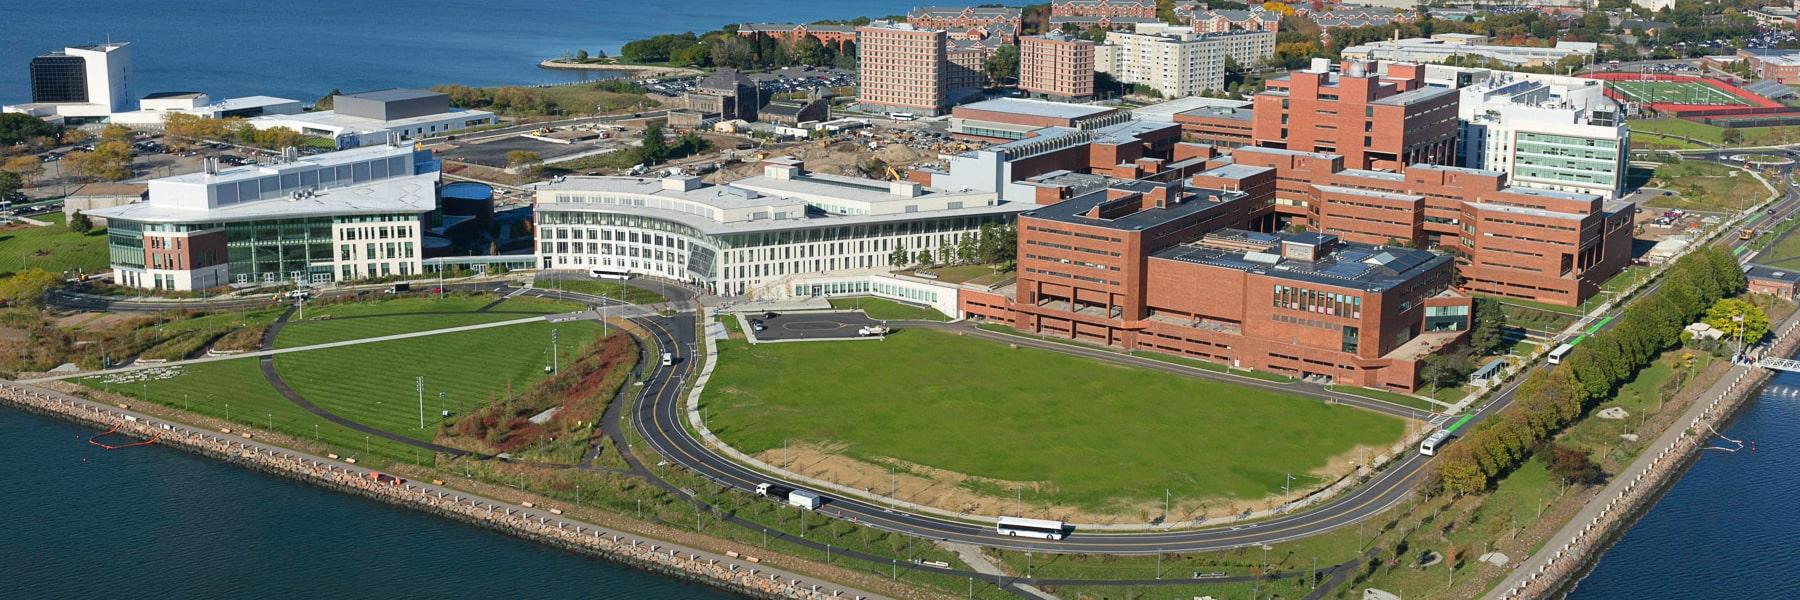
[[419, 384], [555, 355]]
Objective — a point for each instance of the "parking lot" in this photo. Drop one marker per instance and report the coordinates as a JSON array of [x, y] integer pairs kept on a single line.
[[807, 326], [786, 79]]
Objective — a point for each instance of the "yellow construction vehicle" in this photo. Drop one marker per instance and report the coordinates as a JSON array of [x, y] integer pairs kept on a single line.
[[893, 175]]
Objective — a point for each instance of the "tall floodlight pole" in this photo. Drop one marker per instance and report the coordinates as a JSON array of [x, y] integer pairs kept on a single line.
[[555, 355], [419, 383]]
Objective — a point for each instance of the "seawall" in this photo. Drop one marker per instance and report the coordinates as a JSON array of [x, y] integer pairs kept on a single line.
[[1572, 551], [739, 574]]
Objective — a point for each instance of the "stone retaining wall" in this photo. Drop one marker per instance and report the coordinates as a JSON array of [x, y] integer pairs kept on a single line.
[[739, 574]]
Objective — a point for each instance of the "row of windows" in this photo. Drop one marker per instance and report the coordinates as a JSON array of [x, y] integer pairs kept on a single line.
[[1070, 276], [1072, 262], [1326, 303]]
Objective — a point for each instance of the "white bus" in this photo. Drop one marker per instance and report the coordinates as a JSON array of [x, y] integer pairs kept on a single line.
[[1557, 355], [1430, 445], [604, 274], [1037, 528]]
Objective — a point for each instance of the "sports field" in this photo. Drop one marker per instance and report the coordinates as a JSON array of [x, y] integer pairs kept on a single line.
[[1070, 431], [1676, 92]]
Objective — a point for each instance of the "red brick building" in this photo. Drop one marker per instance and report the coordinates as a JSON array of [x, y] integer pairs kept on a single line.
[[1109, 14], [1518, 242], [1056, 65], [1224, 127], [903, 68], [986, 20], [1162, 266], [1374, 121], [788, 33]]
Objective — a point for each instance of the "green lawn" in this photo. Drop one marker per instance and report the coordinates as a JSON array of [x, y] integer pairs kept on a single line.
[[235, 389], [406, 315], [53, 248], [1102, 436], [889, 310], [980, 274], [1753, 136], [600, 287], [1784, 254], [1213, 366], [1706, 187], [374, 383]]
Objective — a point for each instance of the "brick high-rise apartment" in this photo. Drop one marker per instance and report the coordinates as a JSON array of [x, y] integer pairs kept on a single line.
[[1374, 121], [902, 68], [1056, 65]]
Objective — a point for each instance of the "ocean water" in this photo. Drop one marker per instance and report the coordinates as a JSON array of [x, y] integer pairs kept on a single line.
[[304, 48], [1729, 528], [82, 522]]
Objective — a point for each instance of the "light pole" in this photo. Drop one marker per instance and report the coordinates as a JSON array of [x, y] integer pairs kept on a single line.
[[419, 384], [555, 356]]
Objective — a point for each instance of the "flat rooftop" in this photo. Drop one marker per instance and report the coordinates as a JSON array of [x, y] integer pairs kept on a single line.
[[1166, 111], [1411, 97], [1348, 264], [406, 194], [250, 172], [1038, 108], [393, 94], [326, 119], [1074, 210]]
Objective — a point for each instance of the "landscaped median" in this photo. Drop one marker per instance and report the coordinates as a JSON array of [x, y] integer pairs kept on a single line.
[[967, 425]]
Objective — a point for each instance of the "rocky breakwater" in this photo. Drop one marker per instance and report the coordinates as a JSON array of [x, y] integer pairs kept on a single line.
[[734, 572]]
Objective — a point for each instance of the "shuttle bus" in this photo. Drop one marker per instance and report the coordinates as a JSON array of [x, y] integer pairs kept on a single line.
[[1557, 355], [604, 274], [1430, 445], [1037, 528]]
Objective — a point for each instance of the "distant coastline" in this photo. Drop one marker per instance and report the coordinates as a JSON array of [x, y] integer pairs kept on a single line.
[[650, 71]]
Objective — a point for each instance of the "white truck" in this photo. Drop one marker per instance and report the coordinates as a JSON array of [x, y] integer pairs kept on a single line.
[[873, 331], [805, 499]]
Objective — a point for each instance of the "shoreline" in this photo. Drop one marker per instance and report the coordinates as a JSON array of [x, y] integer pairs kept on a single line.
[[1559, 566], [633, 71], [738, 574]]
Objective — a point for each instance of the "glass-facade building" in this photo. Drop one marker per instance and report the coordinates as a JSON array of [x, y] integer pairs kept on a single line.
[[59, 78]]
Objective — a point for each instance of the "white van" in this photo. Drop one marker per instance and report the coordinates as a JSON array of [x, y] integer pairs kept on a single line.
[[668, 359]]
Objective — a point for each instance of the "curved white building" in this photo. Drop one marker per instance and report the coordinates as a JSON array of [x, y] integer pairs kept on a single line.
[[751, 234]]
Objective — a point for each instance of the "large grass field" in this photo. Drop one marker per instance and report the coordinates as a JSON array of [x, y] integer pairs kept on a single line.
[[1102, 435], [374, 383], [616, 290], [53, 248], [1712, 134], [406, 315], [1706, 187]]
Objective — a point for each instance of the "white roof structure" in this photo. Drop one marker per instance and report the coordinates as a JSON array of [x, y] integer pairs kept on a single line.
[[369, 180]]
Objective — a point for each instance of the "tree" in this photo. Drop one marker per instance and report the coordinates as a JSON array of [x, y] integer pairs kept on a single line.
[[898, 258], [1731, 135], [115, 133], [1573, 466], [27, 288], [80, 223], [327, 101], [10, 183], [1489, 324], [656, 145], [26, 166], [946, 254], [19, 127], [924, 257], [581, 55], [965, 248], [1734, 317], [110, 161], [1444, 370], [1003, 65]]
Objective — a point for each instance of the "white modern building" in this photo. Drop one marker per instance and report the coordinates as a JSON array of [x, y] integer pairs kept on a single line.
[[755, 235], [1442, 47], [1545, 131], [152, 109], [79, 83], [1174, 60], [369, 117], [339, 216]]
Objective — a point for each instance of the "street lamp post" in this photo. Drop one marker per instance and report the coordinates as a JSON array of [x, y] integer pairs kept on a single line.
[[419, 384]]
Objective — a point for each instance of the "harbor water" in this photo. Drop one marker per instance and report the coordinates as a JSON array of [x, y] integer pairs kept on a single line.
[[151, 521]]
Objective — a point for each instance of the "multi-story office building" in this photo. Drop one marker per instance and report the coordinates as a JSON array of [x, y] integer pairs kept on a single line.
[[754, 235], [1519, 242], [1056, 65], [1164, 267], [340, 216], [1003, 119], [1175, 61], [1375, 121], [79, 83], [1109, 14], [902, 68], [1546, 131]]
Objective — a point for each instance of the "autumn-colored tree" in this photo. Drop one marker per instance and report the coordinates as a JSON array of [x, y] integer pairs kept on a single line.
[[26, 166], [110, 161]]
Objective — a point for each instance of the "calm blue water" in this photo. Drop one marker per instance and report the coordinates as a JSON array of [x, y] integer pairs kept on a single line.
[[81, 522], [302, 49], [1729, 528]]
